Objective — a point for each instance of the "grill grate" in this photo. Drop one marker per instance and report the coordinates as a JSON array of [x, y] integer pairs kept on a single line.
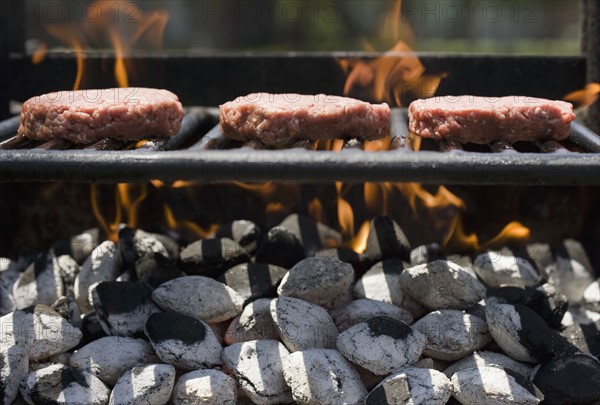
[[200, 152]]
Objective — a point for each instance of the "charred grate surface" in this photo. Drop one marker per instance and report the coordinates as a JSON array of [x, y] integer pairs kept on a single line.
[[200, 152]]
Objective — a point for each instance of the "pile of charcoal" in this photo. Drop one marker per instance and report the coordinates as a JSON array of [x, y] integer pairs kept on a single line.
[[279, 317]]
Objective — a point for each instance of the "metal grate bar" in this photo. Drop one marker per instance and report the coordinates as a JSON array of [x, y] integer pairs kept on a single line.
[[8, 128], [584, 137], [502, 147], [56, 144], [551, 147], [214, 139], [450, 145]]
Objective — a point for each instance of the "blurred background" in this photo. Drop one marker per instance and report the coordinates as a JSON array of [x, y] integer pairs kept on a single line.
[[541, 27]]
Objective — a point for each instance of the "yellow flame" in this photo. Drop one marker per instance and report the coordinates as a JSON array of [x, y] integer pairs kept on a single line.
[[39, 54], [585, 97], [359, 242]]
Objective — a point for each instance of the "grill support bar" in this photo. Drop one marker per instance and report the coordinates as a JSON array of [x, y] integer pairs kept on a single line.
[[214, 166]]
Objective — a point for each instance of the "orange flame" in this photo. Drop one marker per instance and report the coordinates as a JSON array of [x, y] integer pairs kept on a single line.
[[179, 225], [39, 54], [315, 210], [584, 97], [359, 242]]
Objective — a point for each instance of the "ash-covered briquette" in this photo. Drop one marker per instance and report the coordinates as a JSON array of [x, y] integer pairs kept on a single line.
[[206, 387], [309, 374], [426, 253], [246, 233], [452, 334], [68, 309], [303, 325], [572, 379], [155, 269], [489, 359], [40, 283], [544, 300], [135, 243], [359, 262], [40, 330], [91, 328], [199, 297], [14, 364], [320, 280], [281, 248], [502, 268], [591, 296], [381, 344], [253, 280], [520, 332], [68, 269], [254, 323], [211, 257], [183, 341], [442, 285], [412, 386], [109, 357], [148, 384], [79, 247], [382, 283], [570, 278], [257, 366], [104, 264], [59, 384], [585, 338], [386, 240], [363, 309], [494, 386], [313, 235], [123, 307]]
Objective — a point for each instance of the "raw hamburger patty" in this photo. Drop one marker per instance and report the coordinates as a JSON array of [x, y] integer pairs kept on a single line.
[[87, 116], [276, 119], [484, 120]]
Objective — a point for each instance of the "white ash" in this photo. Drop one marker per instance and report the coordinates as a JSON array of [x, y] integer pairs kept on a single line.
[[7, 303], [322, 377], [452, 334], [123, 307], [484, 359], [61, 358], [40, 330], [442, 285], [386, 240], [313, 235], [493, 386], [183, 341], [200, 297], [570, 278], [41, 283], [104, 264], [579, 315], [149, 384], [205, 387], [254, 280], [363, 309], [109, 357], [254, 323], [61, 384], [135, 243], [13, 367], [381, 344], [79, 247], [591, 296], [320, 280], [302, 325], [382, 283], [463, 261], [499, 268], [425, 254], [520, 332], [257, 366], [412, 386], [69, 269]]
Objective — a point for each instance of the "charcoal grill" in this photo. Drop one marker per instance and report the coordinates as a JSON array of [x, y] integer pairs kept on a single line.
[[200, 152]]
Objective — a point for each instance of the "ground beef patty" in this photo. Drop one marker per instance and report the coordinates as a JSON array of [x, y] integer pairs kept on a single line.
[[485, 119], [87, 116], [278, 119]]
